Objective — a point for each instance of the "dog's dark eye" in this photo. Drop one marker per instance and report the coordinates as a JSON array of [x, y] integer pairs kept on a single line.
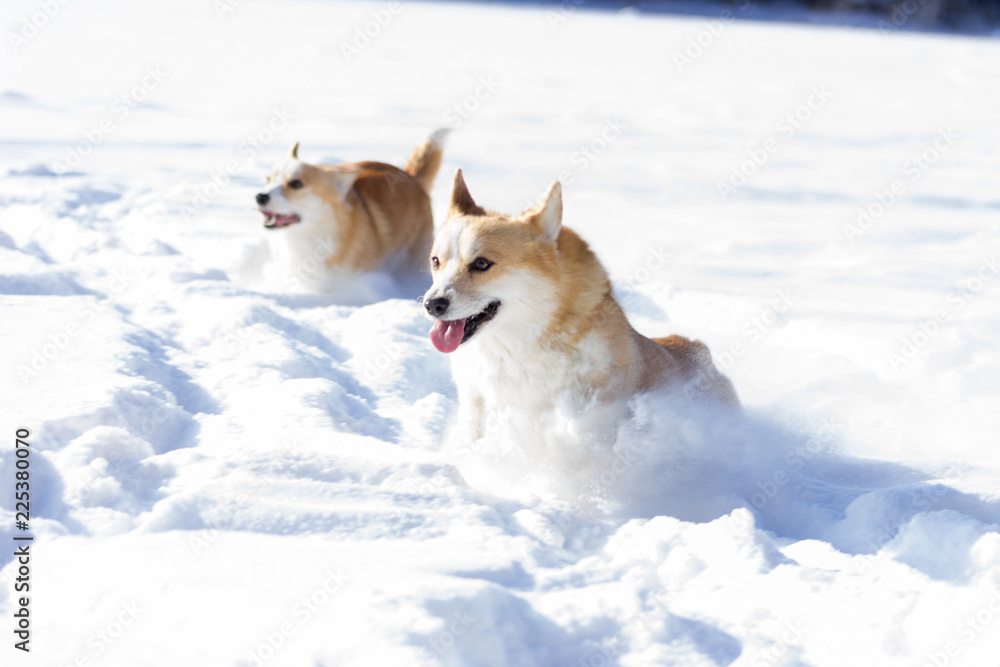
[[481, 264], [295, 185], [435, 262]]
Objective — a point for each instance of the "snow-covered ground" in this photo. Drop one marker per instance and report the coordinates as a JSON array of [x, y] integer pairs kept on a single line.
[[230, 470]]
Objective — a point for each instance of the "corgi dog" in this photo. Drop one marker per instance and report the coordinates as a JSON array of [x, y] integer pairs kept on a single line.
[[526, 311], [357, 217]]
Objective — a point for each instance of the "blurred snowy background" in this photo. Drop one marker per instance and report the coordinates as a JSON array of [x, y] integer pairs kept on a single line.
[[230, 470]]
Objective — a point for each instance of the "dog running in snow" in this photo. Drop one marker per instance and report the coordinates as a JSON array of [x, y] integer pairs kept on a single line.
[[526, 311], [364, 216]]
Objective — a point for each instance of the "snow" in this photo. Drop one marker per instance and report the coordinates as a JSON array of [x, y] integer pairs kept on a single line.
[[231, 469]]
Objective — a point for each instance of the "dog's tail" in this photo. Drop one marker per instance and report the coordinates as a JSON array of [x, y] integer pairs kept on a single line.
[[423, 165], [695, 362]]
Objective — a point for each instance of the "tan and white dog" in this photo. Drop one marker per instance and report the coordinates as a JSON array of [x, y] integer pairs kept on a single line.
[[526, 311], [362, 216]]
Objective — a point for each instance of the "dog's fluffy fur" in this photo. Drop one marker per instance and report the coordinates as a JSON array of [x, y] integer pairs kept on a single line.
[[527, 311], [362, 216]]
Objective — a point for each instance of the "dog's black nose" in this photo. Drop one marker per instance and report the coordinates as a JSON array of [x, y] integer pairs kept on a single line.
[[437, 307], [262, 198]]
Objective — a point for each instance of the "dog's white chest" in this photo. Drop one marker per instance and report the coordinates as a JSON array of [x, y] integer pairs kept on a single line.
[[537, 391]]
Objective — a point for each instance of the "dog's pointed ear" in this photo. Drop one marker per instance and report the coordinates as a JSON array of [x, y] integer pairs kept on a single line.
[[294, 154], [462, 202], [343, 181], [547, 216]]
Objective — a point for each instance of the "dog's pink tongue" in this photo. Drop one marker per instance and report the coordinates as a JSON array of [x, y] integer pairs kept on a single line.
[[447, 336]]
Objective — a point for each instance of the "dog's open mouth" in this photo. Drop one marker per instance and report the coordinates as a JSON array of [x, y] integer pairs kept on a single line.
[[277, 220], [447, 335]]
